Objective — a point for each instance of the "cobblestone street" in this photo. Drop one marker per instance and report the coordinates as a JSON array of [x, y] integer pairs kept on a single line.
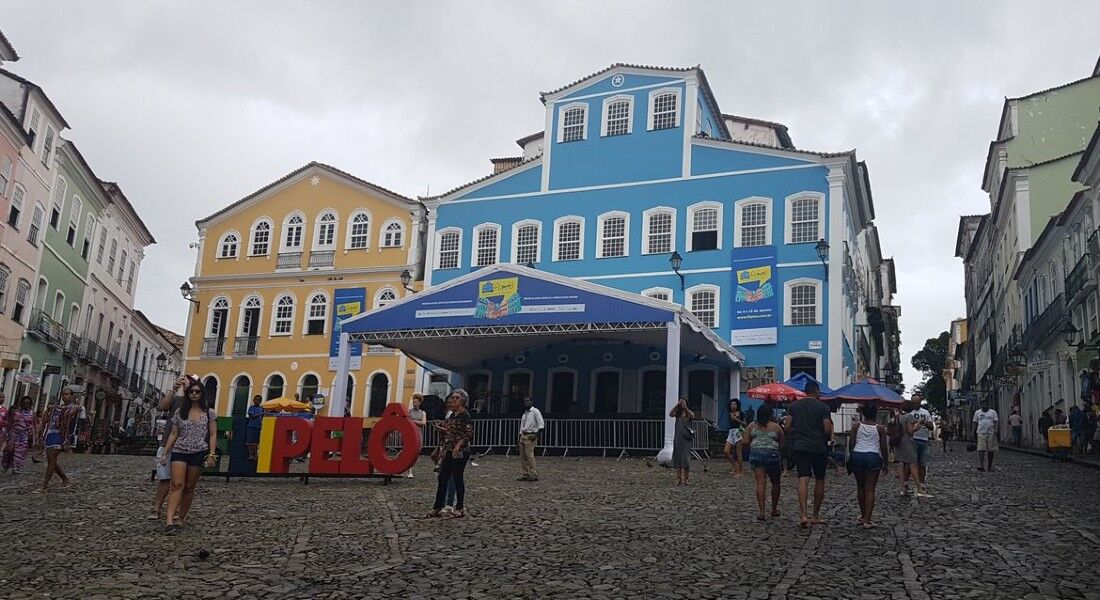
[[592, 528]]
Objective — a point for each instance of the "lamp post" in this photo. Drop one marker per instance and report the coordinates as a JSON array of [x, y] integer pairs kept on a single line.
[[188, 294], [406, 279], [822, 249], [676, 260]]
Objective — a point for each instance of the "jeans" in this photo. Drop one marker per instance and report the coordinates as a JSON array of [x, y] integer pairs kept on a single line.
[[450, 492], [1017, 434], [451, 472]]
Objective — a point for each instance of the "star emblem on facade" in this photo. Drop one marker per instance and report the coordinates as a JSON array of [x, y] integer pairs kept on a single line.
[[314, 180], [617, 80]]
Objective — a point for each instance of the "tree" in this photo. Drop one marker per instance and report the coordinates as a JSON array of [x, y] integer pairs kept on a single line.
[[930, 361]]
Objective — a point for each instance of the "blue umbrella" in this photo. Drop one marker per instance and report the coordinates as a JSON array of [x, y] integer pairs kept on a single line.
[[799, 382], [867, 390]]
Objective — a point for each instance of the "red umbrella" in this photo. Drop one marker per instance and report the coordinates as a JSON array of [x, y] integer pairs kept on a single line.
[[775, 392]]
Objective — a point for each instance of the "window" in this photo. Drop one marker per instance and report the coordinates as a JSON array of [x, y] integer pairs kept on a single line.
[[121, 267], [568, 238], [102, 245], [803, 302], [283, 315], [227, 247], [393, 235], [22, 290], [318, 312], [89, 231], [486, 245], [658, 237], [74, 220], [702, 301], [292, 233], [47, 147], [130, 277], [658, 293], [359, 231], [664, 109], [384, 297], [704, 226], [450, 247], [274, 386], [572, 122], [325, 236], [612, 232], [250, 317], [753, 222], [802, 362], [5, 174], [58, 312], [617, 112], [32, 127], [261, 238], [526, 238], [59, 191], [804, 218], [5, 273], [111, 257], [36, 225], [16, 206], [219, 317]]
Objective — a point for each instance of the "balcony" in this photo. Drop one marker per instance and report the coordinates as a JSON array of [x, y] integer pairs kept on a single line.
[[1080, 281], [136, 383], [47, 329], [290, 261], [214, 346], [1048, 323], [100, 358], [319, 259], [245, 346], [73, 343]]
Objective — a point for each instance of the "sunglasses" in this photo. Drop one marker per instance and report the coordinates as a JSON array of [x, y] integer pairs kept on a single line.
[[195, 391]]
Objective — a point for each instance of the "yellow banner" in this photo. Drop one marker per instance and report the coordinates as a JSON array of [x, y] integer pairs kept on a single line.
[[498, 287], [348, 309], [758, 274]]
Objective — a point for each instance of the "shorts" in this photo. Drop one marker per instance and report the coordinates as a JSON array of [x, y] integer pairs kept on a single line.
[[769, 460], [921, 448], [53, 440], [252, 435], [808, 463], [161, 472], [734, 436], [987, 442], [193, 459], [865, 462]]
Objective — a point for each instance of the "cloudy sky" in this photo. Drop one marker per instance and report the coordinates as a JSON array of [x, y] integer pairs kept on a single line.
[[192, 105]]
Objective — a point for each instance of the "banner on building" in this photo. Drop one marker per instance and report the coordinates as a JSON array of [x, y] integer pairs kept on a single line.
[[346, 303], [755, 299]]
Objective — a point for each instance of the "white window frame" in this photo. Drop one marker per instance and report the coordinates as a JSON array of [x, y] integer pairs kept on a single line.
[[49, 145], [36, 233], [607, 107], [220, 254], [273, 331], [283, 247], [6, 168], [787, 287], [600, 220], [515, 239], [474, 244], [653, 99], [378, 296], [801, 354], [706, 287], [689, 222], [648, 293], [309, 310], [219, 303], [76, 210], [557, 230], [561, 120], [384, 239], [646, 216], [334, 221], [439, 245], [243, 307], [739, 206], [788, 213], [252, 231], [359, 212], [60, 190]]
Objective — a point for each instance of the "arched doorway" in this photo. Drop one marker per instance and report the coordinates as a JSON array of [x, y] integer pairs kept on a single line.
[[517, 387], [653, 392], [606, 392], [563, 387], [242, 386], [210, 384], [700, 389], [275, 386], [379, 394]]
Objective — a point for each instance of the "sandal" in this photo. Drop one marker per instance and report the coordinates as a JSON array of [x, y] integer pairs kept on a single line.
[[172, 529], [433, 514], [761, 518], [458, 513]]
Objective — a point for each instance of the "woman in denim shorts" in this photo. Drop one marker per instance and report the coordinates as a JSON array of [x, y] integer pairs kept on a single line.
[[764, 438], [867, 447]]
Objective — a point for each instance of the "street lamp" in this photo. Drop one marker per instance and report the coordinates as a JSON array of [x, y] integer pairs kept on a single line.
[[888, 372], [1069, 333], [406, 279], [676, 260], [822, 248], [188, 294]]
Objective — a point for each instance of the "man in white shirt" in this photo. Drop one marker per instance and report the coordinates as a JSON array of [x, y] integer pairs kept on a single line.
[[921, 422], [985, 430], [530, 424]]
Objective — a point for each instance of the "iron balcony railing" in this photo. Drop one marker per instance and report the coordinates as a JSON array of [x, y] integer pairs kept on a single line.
[[214, 346], [321, 258], [136, 382], [46, 328], [245, 346], [1080, 280], [1048, 323], [289, 260], [72, 343]]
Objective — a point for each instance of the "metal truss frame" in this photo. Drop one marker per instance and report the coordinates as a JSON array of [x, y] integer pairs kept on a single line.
[[379, 337]]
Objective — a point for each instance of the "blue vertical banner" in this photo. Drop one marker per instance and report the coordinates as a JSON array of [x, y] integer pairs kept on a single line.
[[755, 297], [346, 303]]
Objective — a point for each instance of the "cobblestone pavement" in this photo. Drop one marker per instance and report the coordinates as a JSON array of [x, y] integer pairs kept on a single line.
[[592, 528]]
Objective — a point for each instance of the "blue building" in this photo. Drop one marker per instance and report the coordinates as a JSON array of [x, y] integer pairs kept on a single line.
[[639, 182]]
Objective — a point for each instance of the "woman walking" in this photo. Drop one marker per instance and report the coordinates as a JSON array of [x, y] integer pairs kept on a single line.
[[190, 446], [682, 438], [868, 451], [58, 425], [765, 437], [20, 428], [458, 433], [734, 441]]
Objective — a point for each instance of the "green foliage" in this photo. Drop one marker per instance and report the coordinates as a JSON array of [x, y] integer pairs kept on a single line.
[[930, 361]]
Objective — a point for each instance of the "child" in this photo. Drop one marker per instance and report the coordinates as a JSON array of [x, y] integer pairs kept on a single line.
[[162, 473]]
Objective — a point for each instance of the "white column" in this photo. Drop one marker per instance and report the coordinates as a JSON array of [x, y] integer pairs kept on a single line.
[[429, 249], [836, 314], [672, 386], [401, 367], [340, 386], [735, 383]]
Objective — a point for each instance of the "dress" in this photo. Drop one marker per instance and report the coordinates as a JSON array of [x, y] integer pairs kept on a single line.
[[681, 445], [19, 424], [906, 452]]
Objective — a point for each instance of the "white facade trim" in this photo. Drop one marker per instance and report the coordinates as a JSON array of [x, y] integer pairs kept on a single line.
[[739, 206], [475, 234], [561, 121], [515, 238], [646, 216], [800, 354], [788, 222], [706, 287], [557, 230], [689, 222], [837, 234], [651, 292], [607, 102], [679, 105], [788, 285], [439, 237], [360, 211], [600, 220]]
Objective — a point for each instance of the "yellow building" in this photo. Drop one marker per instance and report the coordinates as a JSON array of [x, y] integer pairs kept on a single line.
[[271, 269]]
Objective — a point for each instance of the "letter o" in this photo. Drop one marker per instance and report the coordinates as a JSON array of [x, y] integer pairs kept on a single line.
[[394, 418]]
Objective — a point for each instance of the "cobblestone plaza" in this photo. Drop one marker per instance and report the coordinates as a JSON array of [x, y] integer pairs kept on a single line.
[[591, 528]]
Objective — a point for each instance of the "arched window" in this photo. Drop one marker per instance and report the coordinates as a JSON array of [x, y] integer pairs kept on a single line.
[[58, 306], [664, 108], [250, 318], [261, 238], [384, 297], [227, 247], [274, 386], [325, 236], [802, 302], [802, 362], [16, 207], [569, 238], [282, 318], [658, 293], [612, 231], [379, 394], [359, 230], [704, 226], [805, 218], [449, 254], [219, 317], [486, 249], [36, 224], [659, 236], [5, 274], [393, 235], [753, 225], [59, 191], [617, 115], [22, 290], [702, 301], [572, 122], [526, 239], [318, 313], [309, 387], [292, 232], [75, 212]]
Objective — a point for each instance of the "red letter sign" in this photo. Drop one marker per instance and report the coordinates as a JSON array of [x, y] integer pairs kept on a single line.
[[394, 418], [324, 445], [284, 448], [352, 462]]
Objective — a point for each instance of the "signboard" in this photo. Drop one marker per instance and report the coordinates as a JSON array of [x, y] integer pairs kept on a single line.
[[29, 378], [347, 302], [755, 300]]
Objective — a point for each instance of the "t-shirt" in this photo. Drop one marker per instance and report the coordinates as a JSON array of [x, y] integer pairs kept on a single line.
[[255, 416], [416, 415], [194, 435], [986, 420], [922, 416], [807, 427], [1015, 420]]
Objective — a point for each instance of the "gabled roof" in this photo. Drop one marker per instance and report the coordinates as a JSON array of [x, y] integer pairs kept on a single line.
[[1004, 107], [333, 171], [1090, 153], [523, 141], [34, 86], [769, 147], [506, 173], [1052, 223], [14, 123], [114, 191], [963, 222], [779, 128], [6, 49]]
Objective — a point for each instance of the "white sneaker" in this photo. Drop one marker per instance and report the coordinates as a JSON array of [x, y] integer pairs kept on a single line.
[[447, 510]]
